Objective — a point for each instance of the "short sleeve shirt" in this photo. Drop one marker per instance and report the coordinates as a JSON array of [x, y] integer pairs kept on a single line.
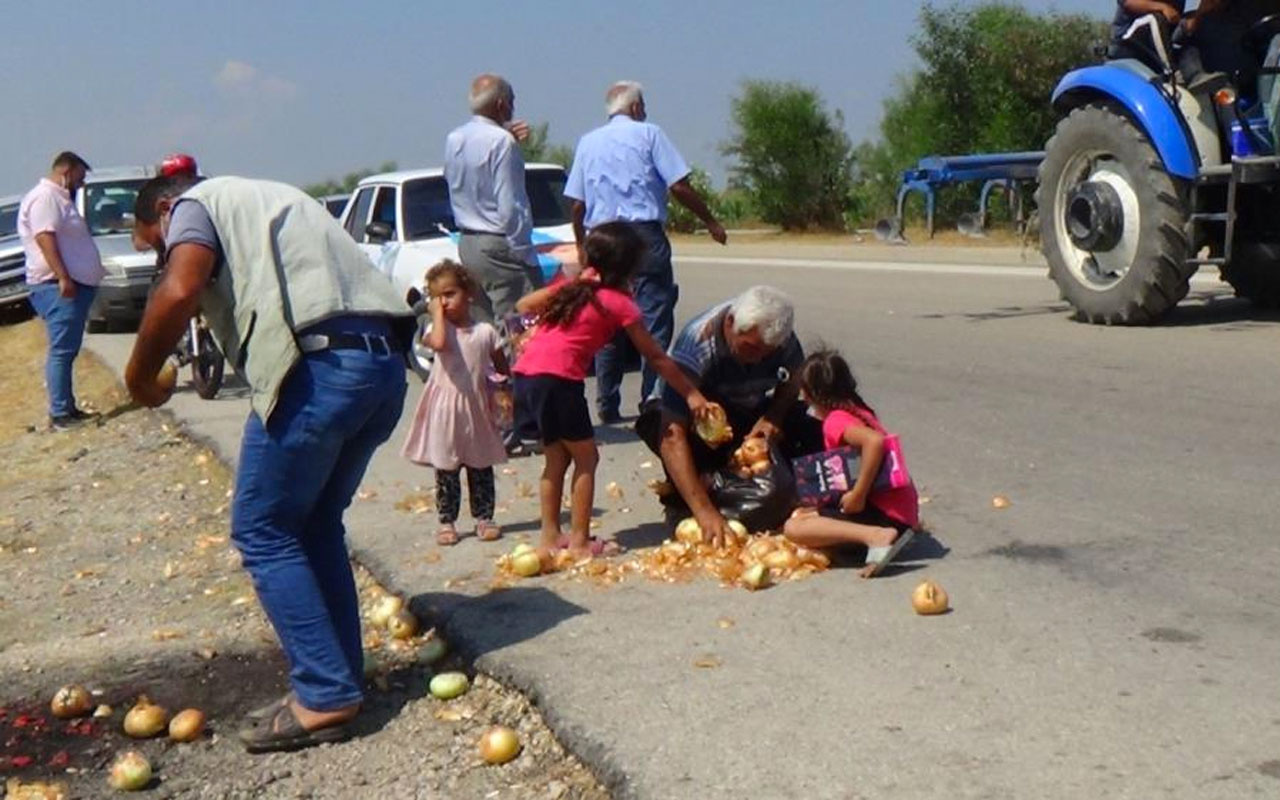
[[49, 208], [743, 389], [566, 351], [190, 223], [621, 171]]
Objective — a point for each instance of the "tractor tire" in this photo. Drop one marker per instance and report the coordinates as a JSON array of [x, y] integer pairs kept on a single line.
[[1145, 272], [1255, 273]]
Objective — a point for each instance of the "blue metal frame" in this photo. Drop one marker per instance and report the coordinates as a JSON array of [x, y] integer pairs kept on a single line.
[[1147, 102], [994, 169]]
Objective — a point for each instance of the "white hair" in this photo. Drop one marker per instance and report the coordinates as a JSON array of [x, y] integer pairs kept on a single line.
[[487, 89], [766, 310], [621, 96]]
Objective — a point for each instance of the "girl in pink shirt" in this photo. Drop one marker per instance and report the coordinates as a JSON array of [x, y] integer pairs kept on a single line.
[[880, 520], [577, 318]]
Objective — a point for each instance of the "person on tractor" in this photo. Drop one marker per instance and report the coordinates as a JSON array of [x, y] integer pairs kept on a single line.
[[1130, 11]]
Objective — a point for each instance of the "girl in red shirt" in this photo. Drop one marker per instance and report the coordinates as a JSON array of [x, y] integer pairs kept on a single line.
[[880, 520], [577, 318]]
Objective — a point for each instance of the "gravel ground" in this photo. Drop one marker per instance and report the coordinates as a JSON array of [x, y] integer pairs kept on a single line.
[[119, 576]]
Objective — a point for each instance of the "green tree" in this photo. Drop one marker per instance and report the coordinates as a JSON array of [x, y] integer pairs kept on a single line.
[[539, 149], [792, 156], [348, 182], [986, 75]]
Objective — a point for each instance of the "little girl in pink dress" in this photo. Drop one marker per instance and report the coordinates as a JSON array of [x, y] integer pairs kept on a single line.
[[454, 425]]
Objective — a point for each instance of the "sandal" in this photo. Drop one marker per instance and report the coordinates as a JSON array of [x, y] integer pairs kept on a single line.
[[270, 709], [488, 531], [282, 731], [447, 536], [879, 557], [599, 547]]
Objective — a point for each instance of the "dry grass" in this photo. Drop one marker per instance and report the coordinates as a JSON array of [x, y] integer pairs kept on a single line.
[[23, 402]]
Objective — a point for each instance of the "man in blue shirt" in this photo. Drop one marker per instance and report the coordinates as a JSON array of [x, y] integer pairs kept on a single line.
[[485, 171], [622, 172]]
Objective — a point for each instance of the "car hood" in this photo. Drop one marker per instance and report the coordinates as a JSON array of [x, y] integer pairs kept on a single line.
[[118, 247]]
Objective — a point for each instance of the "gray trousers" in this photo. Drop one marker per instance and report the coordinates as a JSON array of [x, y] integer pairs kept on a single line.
[[503, 276]]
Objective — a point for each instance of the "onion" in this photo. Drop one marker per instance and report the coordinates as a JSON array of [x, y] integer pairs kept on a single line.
[[739, 529], [522, 548], [713, 428], [813, 558], [929, 598], [386, 607], [167, 377], [130, 772], [187, 725], [527, 564], [499, 745], [145, 719], [689, 531], [781, 559], [433, 649], [101, 711], [402, 624], [70, 701], [755, 576], [448, 685]]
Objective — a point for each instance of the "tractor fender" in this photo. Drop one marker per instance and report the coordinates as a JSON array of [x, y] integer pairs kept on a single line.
[[1145, 102]]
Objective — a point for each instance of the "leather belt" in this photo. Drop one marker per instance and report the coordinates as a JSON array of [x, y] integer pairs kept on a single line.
[[368, 342]]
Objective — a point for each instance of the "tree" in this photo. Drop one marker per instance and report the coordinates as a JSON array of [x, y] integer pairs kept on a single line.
[[538, 147], [792, 156], [349, 181], [987, 73]]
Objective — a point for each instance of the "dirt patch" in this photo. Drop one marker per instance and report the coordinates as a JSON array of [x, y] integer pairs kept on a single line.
[[119, 576]]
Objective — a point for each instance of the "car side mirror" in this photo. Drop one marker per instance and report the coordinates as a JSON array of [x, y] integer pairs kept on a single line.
[[379, 232]]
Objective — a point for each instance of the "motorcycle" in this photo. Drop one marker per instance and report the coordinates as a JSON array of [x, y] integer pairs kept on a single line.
[[198, 349]]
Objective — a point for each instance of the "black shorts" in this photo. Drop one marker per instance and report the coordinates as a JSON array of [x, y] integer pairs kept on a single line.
[[552, 409]]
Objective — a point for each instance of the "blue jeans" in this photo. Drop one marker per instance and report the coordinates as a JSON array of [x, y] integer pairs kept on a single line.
[[655, 292], [297, 475], [64, 321]]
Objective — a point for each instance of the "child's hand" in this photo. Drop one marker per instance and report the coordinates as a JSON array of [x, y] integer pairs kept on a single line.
[[852, 502], [589, 275]]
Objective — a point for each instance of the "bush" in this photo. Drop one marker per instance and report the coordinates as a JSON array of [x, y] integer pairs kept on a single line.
[[793, 158]]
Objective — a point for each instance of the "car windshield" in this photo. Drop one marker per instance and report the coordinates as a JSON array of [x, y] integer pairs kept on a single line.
[[109, 206], [427, 213]]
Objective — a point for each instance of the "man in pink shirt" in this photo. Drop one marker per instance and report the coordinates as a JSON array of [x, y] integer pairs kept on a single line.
[[63, 270]]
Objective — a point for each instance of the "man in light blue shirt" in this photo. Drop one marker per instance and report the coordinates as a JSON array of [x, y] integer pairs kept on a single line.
[[622, 172], [485, 171]]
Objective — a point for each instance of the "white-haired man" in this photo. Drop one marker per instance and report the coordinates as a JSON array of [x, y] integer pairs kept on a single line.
[[485, 171], [622, 172], [741, 354]]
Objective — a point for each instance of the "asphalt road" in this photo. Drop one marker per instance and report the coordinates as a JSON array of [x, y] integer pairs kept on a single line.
[[1114, 631]]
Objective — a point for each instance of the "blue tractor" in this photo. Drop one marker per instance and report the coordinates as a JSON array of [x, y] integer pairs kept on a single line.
[[1160, 167]]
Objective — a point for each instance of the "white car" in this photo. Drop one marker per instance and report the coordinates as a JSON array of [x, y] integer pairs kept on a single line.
[[13, 259], [106, 203], [403, 220]]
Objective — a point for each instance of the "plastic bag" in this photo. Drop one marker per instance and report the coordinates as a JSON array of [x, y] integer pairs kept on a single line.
[[761, 502]]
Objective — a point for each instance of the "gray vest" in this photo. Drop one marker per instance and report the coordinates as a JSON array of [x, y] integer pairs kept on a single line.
[[288, 265]]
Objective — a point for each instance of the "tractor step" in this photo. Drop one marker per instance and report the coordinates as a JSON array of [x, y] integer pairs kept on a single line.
[[1206, 262], [1256, 170], [1211, 216]]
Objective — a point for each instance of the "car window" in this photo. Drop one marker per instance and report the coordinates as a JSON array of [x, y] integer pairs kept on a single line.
[[360, 213], [546, 197], [335, 205], [108, 207], [8, 220], [384, 208], [427, 209]]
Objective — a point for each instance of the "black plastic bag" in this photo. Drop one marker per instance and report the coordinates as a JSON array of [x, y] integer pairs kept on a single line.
[[761, 502]]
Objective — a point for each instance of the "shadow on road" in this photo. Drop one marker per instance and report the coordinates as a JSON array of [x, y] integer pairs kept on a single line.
[[475, 626], [1226, 313]]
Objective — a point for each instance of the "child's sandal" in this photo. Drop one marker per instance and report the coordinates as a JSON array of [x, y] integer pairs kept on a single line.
[[488, 531], [447, 536]]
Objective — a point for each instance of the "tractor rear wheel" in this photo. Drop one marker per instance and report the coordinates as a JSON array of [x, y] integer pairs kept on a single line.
[[1112, 220]]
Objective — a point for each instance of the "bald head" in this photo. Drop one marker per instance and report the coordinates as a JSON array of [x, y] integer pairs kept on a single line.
[[492, 97], [625, 97]]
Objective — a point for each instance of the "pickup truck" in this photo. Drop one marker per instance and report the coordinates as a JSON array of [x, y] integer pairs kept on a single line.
[[404, 222]]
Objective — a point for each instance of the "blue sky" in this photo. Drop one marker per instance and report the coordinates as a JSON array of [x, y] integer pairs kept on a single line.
[[301, 91]]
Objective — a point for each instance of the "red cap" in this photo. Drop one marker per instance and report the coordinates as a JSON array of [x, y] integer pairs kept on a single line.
[[178, 164]]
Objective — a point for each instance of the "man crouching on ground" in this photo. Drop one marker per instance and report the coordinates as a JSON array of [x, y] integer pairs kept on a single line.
[[320, 338]]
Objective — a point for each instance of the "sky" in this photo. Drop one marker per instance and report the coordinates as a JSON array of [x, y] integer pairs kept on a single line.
[[304, 90]]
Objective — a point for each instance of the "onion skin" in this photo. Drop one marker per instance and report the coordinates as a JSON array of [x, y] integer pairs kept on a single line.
[[448, 685], [71, 701], [187, 725], [499, 745], [929, 598], [145, 720], [739, 530], [167, 377], [130, 772], [756, 577]]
